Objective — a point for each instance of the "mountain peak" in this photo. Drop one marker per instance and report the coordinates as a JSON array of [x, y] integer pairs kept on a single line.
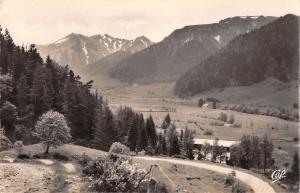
[[77, 50]]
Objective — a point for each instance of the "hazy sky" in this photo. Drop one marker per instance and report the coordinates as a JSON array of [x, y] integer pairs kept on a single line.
[[45, 21]]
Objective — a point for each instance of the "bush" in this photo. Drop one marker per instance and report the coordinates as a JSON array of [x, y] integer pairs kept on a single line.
[[23, 156], [104, 175], [60, 157], [231, 119], [295, 106], [208, 132], [223, 117], [237, 187], [230, 179], [119, 148], [150, 150], [216, 124], [179, 156], [18, 146], [83, 159], [237, 125]]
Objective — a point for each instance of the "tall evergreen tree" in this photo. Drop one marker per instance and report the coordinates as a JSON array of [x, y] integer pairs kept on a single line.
[[151, 132], [132, 133], [167, 121], [142, 139]]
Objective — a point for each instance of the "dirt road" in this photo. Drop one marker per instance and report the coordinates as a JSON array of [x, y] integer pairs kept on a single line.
[[39, 176], [257, 184]]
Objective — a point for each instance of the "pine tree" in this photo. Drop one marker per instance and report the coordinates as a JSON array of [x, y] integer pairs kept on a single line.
[[172, 140], [266, 147], [151, 132], [132, 133], [142, 139], [167, 121], [22, 95], [188, 143], [294, 174]]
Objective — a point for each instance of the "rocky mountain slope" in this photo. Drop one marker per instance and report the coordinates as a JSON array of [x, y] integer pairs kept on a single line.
[[268, 52], [182, 50], [79, 51]]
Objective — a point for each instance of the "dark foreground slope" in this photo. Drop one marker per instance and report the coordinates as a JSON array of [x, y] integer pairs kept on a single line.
[[268, 52]]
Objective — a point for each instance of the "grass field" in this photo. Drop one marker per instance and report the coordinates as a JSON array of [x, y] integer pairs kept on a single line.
[[269, 93]]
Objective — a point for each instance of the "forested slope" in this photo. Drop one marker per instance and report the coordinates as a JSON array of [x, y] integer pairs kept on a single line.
[[268, 52]]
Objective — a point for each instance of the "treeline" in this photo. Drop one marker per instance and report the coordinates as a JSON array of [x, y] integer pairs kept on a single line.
[[270, 51], [141, 135], [31, 86]]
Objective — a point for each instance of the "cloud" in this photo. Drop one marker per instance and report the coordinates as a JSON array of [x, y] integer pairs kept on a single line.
[[44, 21]]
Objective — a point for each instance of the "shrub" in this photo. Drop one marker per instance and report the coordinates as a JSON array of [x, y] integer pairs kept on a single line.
[[105, 175], [83, 159], [179, 156], [60, 157], [230, 179], [237, 125], [23, 156], [237, 187], [208, 132], [119, 148], [223, 117], [231, 119], [295, 106], [18, 146], [216, 124]]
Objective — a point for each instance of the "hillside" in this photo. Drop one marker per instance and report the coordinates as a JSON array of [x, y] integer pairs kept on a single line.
[[270, 51], [182, 49], [80, 51]]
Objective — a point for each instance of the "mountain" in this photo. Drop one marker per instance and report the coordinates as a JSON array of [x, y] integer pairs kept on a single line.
[[268, 52], [183, 49], [79, 51]]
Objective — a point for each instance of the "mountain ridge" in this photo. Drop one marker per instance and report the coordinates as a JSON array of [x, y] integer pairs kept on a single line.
[[79, 51], [269, 51], [182, 49]]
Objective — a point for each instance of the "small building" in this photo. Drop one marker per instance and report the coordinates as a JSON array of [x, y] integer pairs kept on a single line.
[[198, 143]]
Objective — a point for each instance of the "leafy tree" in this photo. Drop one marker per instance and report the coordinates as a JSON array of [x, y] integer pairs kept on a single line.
[[52, 129], [236, 154], [217, 151], [206, 149]]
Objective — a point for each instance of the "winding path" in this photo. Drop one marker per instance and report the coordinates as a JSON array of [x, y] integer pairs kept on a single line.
[[257, 184]]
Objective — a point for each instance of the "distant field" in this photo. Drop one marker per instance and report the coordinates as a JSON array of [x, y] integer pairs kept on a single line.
[[270, 93], [282, 132]]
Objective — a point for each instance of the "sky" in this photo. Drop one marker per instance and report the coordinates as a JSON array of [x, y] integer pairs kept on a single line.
[[45, 21]]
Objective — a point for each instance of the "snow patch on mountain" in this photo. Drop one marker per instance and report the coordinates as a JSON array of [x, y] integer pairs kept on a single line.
[[217, 38], [61, 40], [86, 54]]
